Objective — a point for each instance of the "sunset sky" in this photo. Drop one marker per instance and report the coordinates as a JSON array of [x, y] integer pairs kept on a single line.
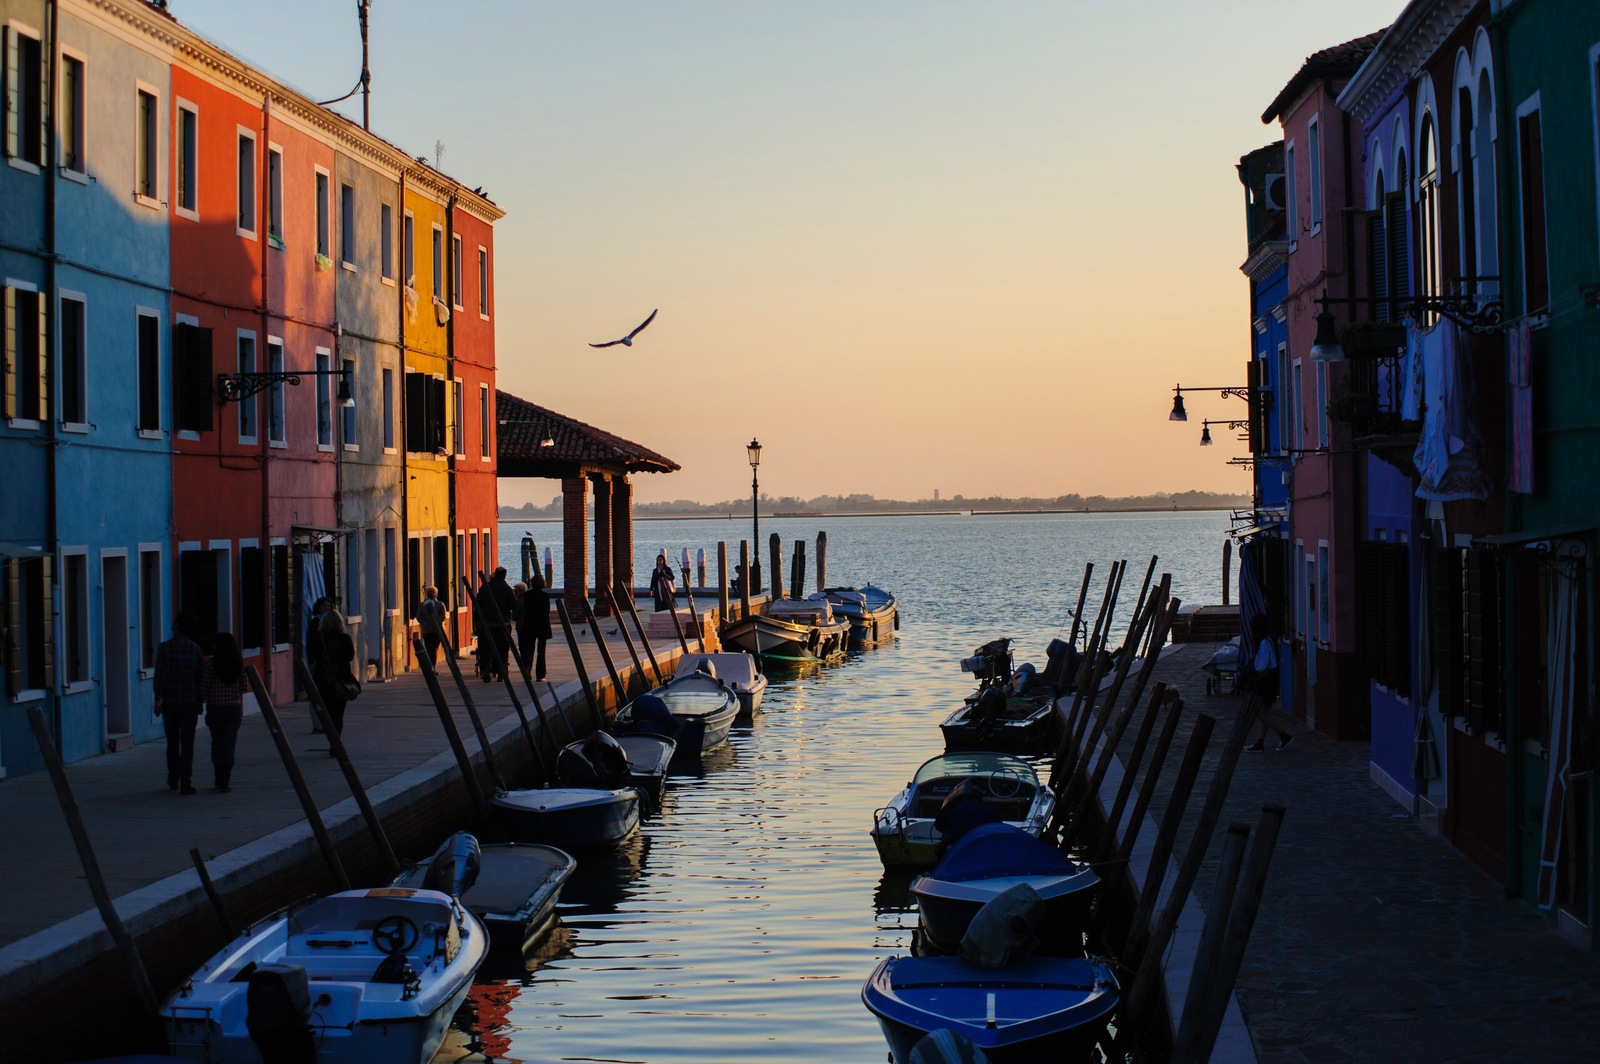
[[909, 245]]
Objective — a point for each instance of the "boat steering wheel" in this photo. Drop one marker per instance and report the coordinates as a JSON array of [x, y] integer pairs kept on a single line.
[[394, 934], [1005, 783]]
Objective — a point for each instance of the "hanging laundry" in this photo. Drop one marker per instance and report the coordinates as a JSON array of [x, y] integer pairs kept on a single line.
[[1411, 375], [1449, 466], [1519, 367]]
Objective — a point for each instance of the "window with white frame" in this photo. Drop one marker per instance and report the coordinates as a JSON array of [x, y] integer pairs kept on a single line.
[[186, 187], [438, 264], [1322, 403], [461, 564], [349, 412], [324, 400], [386, 242], [24, 97], [322, 214], [74, 115], [457, 298], [1530, 152], [388, 408], [484, 420], [347, 226], [1324, 609], [1429, 268], [252, 596], [282, 598], [459, 415], [73, 342], [147, 148], [75, 616], [483, 282], [391, 570], [149, 331], [249, 407], [29, 647], [277, 433], [27, 370], [1314, 170], [275, 196], [352, 577], [246, 184], [1297, 398], [1291, 185], [472, 556], [408, 250], [150, 630]]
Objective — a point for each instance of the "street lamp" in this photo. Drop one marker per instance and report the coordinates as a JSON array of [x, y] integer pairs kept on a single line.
[[237, 387], [1180, 414], [753, 450], [1205, 429]]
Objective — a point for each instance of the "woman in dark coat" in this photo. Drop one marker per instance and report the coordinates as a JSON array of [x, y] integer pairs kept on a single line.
[[533, 624], [332, 660], [222, 685], [662, 587]]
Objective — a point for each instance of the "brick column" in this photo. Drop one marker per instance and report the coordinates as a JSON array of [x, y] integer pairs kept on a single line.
[[574, 549], [602, 540], [621, 539]]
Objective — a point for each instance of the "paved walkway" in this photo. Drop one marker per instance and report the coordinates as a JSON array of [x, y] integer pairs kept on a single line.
[[1377, 940]]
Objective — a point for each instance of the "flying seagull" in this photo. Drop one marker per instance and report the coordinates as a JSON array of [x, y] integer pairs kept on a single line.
[[627, 341]]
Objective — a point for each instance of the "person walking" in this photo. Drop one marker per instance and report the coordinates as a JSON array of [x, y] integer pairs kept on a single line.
[[533, 625], [505, 603], [1261, 682], [222, 685], [430, 617], [177, 687], [318, 608], [662, 588], [332, 666]]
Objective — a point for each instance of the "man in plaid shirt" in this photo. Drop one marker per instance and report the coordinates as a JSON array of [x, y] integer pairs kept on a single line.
[[178, 704]]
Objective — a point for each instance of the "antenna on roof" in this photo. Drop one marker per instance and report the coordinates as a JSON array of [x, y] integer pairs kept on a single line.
[[364, 82]]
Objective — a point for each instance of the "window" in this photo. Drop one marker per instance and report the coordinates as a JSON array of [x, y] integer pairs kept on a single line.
[[352, 578], [1291, 186], [438, 264], [1324, 578], [1466, 185], [1314, 172], [456, 296], [1535, 272], [486, 557], [347, 226], [147, 151], [388, 409], [349, 378], [1296, 411], [75, 616], [26, 371], [74, 361], [441, 570], [74, 118], [483, 420], [322, 214], [28, 650], [188, 190], [483, 282], [193, 380], [1322, 404], [252, 597], [150, 630], [282, 608], [1429, 268], [24, 97], [459, 412], [1383, 606], [149, 372], [275, 196], [324, 401], [386, 241], [391, 571], [276, 432], [408, 251], [247, 184], [414, 578], [425, 414], [249, 409], [471, 561]]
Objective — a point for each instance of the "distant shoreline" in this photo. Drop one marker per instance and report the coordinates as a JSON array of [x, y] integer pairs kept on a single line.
[[820, 514]]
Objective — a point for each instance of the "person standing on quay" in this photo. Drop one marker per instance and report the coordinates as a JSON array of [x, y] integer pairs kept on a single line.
[[222, 685], [318, 608], [662, 587], [533, 624], [1261, 681], [505, 602], [331, 666], [430, 617], [177, 685]]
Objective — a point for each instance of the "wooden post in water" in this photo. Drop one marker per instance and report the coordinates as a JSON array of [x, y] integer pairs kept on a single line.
[[1164, 612], [230, 931], [797, 585], [627, 639], [91, 865], [700, 564], [472, 707], [1138, 606], [549, 569], [269, 714], [1141, 742], [775, 548], [1147, 789], [357, 791], [722, 581], [744, 579], [1077, 614], [1206, 954], [577, 662], [1227, 569], [822, 561], [694, 612], [605, 651], [474, 791]]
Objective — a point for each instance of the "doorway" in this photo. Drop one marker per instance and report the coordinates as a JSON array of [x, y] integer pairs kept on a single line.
[[115, 626]]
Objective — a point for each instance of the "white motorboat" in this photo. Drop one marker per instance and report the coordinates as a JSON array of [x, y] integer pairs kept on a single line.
[[736, 669], [1002, 788]]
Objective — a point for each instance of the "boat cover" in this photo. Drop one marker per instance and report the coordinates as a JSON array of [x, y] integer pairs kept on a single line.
[[806, 611], [994, 851], [736, 669], [650, 716]]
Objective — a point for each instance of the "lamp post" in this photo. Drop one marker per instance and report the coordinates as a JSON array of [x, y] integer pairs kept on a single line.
[[753, 450], [237, 387]]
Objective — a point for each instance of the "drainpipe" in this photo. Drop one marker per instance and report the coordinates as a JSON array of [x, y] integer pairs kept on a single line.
[[264, 439], [461, 399], [52, 525], [402, 551]]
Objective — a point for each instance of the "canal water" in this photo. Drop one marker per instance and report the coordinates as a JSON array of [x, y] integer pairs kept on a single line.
[[740, 923]]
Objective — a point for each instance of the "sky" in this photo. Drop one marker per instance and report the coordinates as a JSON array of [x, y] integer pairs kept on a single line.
[[909, 245]]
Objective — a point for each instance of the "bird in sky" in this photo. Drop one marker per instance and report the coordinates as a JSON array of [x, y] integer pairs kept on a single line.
[[627, 341]]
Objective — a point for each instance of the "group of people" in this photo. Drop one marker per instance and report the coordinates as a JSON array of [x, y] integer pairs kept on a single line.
[[189, 683], [523, 606]]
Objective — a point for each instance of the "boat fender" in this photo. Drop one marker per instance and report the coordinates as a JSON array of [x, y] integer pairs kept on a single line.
[[455, 866], [945, 1046], [277, 1014], [814, 640], [897, 620], [1005, 929]]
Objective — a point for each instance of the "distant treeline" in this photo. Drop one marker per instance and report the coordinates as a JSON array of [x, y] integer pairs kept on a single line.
[[858, 504]]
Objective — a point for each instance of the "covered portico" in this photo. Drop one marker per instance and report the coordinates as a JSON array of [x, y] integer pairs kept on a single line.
[[536, 442]]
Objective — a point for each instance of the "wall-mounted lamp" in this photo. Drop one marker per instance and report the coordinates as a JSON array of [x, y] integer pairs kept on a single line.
[[1466, 308], [1205, 429], [1180, 414], [1326, 348], [237, 387]]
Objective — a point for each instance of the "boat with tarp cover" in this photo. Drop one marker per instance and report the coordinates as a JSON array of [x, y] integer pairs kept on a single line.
[[993, 787], [872, 612], [792, 630], [695, 711]]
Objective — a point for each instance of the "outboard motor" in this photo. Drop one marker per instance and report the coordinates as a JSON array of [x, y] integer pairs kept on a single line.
[[610, 763], [573, 769], [1056, 658], [990, 663], [278, 1014], [987, 710], [652, 717], [707, 667], [1025, 678], [1004, 930], [455, 865]]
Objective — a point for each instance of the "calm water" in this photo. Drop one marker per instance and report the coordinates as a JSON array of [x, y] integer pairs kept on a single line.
[[740, 923]]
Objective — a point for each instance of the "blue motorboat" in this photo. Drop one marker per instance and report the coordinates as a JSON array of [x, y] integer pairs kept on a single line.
[[991, 859], [696, 711], [873, 613], [1038, 1008], [569, 817]]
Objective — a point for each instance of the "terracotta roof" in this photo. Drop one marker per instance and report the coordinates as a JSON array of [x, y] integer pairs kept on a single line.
[[1340, 61], [575, 448]]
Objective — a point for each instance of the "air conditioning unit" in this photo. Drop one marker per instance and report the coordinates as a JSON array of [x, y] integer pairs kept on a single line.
[[1275, 191]]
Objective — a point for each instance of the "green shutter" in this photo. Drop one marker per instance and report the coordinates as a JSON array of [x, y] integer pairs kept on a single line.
[[41, 361], [13, 648], [13, 101], [12, 369]]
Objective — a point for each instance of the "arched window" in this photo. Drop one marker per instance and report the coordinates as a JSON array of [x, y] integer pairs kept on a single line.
[[1397, 223], [1466, 191], [1428, 254], [1485, 184]]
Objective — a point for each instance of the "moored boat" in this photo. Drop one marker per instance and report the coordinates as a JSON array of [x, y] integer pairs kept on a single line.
[[352, 977], [1007, 787], [610, 761], [995, 719], [792, 630], [872, 612], [991, 859], [738, 670], [1039, 1008], [515, 890], [696, 711], [569, 817]]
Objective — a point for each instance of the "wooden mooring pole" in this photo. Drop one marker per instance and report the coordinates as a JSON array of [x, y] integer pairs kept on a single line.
[[480, 804], [627, 641], [1130, 772], [1077, 614], [694, 613], [822, 561], [230, 930], [644, 638], [722, 581], [486, 607], [91, 865], [336, 743], [1147, 789], [744, 579], [605, 651], [1208, 952], [775, 549], [577, 662], [471, 706]]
